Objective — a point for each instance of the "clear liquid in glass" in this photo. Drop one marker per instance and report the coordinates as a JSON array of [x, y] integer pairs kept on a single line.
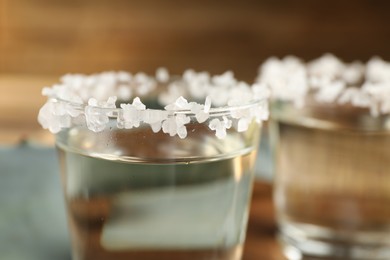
[[332, 187], [141, 195]]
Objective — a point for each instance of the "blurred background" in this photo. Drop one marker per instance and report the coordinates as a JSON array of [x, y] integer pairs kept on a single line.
[[42, 39]]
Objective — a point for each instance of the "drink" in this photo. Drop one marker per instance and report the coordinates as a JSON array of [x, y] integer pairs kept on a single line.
[[131, 197], [165, 177], [332, 188], [330, 134]]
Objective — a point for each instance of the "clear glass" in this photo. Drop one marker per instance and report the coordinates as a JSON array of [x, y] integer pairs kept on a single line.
[[332, 182], [136, 194], [264, 161]]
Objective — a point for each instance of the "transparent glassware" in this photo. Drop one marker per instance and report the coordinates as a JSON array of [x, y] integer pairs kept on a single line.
[[264, 161], [142, 193], [332, 181]]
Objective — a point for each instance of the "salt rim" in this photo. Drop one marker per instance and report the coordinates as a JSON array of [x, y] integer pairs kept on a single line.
[[330, 80], [91, 99]]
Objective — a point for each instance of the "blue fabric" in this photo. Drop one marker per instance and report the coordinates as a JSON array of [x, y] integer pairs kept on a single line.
[[32, 213]]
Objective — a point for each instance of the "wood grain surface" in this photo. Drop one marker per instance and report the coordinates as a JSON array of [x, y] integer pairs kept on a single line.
[[20, 102], [261, 240], [56, 37]]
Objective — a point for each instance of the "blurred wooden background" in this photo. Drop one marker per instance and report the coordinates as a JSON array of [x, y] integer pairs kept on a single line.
[[42, 39], [55, 37]]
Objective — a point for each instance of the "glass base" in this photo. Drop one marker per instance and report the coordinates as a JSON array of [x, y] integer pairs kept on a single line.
[[304, 242], [234, 253]]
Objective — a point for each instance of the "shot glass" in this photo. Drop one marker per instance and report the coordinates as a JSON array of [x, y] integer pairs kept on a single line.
[[331, 152], [166, 176]]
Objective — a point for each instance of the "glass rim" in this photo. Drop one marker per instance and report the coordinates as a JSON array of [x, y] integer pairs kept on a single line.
[[330, 116], [329, 80], [213, 110], [234, 102]]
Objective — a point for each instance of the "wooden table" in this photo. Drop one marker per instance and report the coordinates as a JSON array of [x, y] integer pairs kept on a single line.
[[261, 242], [19, 105]]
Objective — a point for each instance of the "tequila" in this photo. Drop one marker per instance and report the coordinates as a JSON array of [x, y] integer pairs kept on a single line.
[[332, 187], [165, 177], [129, 196]]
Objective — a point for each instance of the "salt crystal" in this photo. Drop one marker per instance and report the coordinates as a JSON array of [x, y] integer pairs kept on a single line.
[[169, 126], [327, 65], [200, 111], [72, 111], [45, 114], [64, 121], [138, 104], [355, 97], [220, 132], [110, 102], [176, 125], [214, 124], [189, 75], [195, 107], [241, 94], [227, 123], [156, 127], [201, 116], [175, 90], [241, 113], [96, 119], [92, 102], [243, 125], [353, 73], [378, 70], [59, 109], [261, 113], [260, 91], [162, 75], [88, 81], [224, 79], [219, 97], [154, 116], [330, 92], [144, 83], [141, 77], [132, 114], [207, 104], [182, 119], [182, 132], [123, 76], [198, 89], [220, 126], [124, 92], [129, 117], [180, 104]]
